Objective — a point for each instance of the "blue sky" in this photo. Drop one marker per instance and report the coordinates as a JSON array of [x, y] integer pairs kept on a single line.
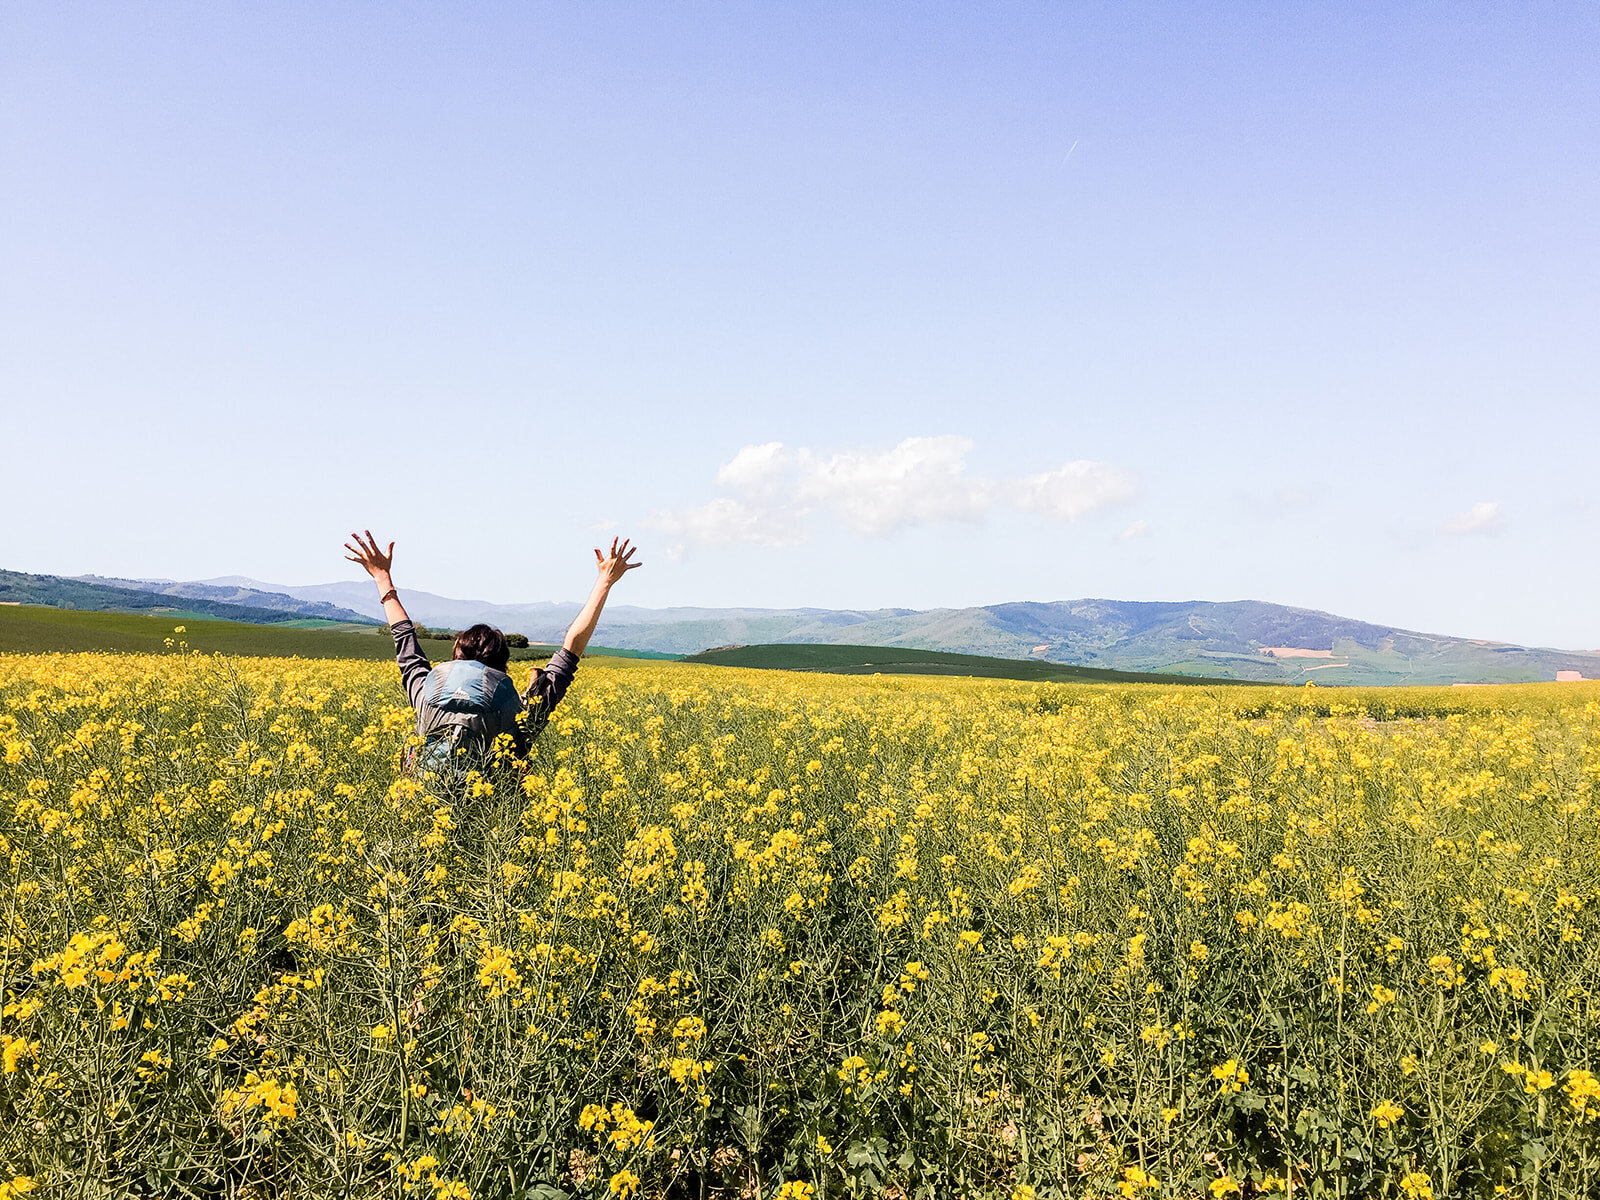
[[854, 306]]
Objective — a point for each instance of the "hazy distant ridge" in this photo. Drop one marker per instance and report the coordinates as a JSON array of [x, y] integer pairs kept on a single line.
[[1226, 639], [224, 593], [92, 594], [1223, 638]]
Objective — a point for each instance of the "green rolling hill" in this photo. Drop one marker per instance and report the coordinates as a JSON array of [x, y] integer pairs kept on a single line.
[[17, 587], [898, 660], [34, 629]]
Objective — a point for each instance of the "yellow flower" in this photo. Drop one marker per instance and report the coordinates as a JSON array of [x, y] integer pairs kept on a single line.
[[1231, 1076], [497, 972], [1510, 979], [627, 1131], [1416, 1186], [1534, 1082], [1135, 1180], [15, 1049], [1583, 1093], [1446, 971], [1386, 1113], [277, 1101]]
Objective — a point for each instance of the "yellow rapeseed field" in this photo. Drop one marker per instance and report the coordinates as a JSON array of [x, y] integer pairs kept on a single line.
[[748, 934]]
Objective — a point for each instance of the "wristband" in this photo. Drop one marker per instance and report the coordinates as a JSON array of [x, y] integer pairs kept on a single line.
[[391, 594]]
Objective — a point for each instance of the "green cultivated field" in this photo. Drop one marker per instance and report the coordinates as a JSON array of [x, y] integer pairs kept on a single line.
[[30, 629], [897, 660], [27, 629]]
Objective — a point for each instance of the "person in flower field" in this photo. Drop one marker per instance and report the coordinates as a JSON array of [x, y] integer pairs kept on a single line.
[[465, 704]]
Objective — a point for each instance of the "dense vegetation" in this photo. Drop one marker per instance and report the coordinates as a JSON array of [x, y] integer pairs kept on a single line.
[[737, 933]]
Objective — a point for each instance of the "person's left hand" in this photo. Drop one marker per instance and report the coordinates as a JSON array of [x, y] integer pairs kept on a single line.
[[615, 565]]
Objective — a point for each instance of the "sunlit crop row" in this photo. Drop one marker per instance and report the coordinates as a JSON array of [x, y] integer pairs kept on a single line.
[[749, 934]]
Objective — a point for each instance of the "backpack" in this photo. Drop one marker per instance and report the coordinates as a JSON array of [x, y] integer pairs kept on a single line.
[[465, 705]]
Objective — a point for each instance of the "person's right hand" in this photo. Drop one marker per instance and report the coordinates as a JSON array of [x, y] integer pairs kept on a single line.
[[369, 556], [615, 565]]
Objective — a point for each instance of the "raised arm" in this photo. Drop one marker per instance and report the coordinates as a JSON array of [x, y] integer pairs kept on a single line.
[[377, 564], [612, 567], [413, 663]]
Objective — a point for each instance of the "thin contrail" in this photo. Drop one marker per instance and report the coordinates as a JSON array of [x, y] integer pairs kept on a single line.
[[1070, 149]]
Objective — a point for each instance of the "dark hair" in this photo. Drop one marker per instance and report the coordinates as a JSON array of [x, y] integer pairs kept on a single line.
[[485, 644]]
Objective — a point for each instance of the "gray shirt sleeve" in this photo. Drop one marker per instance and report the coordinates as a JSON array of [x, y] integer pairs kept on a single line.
[[549, 685], [413, 663]]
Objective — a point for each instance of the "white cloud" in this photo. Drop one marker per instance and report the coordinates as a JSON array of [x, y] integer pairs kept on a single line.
[[760, 472], [1073, 490], [876, 492], [603, 525], [1482, 517], [725, 521], [920, 480], [1137, 529]]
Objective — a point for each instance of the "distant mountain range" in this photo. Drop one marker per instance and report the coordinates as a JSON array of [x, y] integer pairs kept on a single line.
[[91, 593], [1240, 639], [217, 591]]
